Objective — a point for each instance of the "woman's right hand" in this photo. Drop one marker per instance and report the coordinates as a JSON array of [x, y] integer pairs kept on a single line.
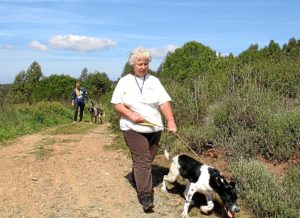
[[131, 115], [136, 118]]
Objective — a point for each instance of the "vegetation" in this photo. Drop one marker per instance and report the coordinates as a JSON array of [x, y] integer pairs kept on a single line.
[[24, 84], [267, 195], [53, 88], [247, 106], [72, 129], [4, 89], [42, 149], [22, 119]]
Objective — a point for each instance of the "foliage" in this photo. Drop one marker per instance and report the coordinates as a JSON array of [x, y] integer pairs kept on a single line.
[[4, 89], [68, 129], [191, 60], [237, 103], [24, 83], [17, 120], [54, 88], [292, 49], [97, 84], [31, 86], [290, 181], [264, 192], [42, 149], [84, 74], [127, 69], [252, 122]]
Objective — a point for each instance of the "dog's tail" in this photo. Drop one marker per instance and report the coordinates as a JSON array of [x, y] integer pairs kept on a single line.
[[167, 155]]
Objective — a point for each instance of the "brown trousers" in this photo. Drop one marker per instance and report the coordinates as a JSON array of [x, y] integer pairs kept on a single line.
[[143, 147]]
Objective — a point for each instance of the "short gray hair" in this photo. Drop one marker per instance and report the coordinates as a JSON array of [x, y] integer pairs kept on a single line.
[[139, 52]]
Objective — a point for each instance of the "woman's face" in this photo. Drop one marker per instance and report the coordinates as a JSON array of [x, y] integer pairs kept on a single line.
[[141, 66]]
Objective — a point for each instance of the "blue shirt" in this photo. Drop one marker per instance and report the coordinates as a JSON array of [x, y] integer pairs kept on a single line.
[[79, 98]]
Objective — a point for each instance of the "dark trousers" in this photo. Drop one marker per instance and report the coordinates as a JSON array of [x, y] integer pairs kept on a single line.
[[81, 107], [143, 147]]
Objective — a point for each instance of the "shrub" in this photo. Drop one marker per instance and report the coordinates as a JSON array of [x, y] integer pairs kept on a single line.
[[21, 119], [281, 134], [263, 191], [254, 121], [291, 182]]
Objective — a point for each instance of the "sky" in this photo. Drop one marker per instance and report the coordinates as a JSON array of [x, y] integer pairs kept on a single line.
[[65, 36]]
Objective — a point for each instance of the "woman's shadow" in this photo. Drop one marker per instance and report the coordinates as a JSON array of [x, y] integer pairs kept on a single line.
[[158, 173]]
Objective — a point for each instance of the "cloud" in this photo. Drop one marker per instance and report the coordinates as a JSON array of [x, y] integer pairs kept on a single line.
[[7, 47], [38, 46], [162, 52], [80, 43]]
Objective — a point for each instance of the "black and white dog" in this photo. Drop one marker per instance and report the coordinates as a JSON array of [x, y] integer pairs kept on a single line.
[[204, 179], [96, 114]]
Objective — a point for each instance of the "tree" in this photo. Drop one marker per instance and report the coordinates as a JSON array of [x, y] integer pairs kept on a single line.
[[292, 49], [34, 73], [84, 74], [127, 69], [187, 62], [54, 88], [272, 51], [250, 55], [97, 84], [19, 92], [4, 89], [25, 82]]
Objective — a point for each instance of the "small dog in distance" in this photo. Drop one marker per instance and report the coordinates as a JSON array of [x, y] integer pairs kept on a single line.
[[97, 115]]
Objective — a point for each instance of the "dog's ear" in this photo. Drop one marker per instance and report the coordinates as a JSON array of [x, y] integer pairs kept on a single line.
[[219, 180], [232, 184]]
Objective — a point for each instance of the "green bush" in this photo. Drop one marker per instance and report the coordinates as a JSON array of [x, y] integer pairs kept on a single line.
[[291, 182], [281, 135], [283, 78], [54, 88], [263, 191], [17, 120], [252, 122]]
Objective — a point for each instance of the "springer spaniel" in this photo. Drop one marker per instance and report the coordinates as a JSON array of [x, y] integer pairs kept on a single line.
[[204, 179]]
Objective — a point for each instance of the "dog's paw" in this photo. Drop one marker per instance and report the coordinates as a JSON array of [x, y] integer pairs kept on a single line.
[[184, 215], [163, 190], [206, 209]]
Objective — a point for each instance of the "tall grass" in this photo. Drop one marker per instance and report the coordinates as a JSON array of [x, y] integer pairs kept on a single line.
[[17, 120], [247, 121], [255, 122]]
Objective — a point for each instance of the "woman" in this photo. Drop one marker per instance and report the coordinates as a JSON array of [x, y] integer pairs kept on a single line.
[[78, 100], [139, 98]]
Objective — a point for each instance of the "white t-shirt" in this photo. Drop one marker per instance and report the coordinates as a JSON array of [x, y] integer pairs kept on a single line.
[[143, 96]]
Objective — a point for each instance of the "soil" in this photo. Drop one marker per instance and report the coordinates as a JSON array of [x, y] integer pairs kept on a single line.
[[75, 175]]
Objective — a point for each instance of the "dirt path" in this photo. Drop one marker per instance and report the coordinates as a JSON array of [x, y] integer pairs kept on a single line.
[[46, 175]]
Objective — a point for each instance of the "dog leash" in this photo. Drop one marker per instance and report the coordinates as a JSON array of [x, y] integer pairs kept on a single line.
[[147, 123]]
